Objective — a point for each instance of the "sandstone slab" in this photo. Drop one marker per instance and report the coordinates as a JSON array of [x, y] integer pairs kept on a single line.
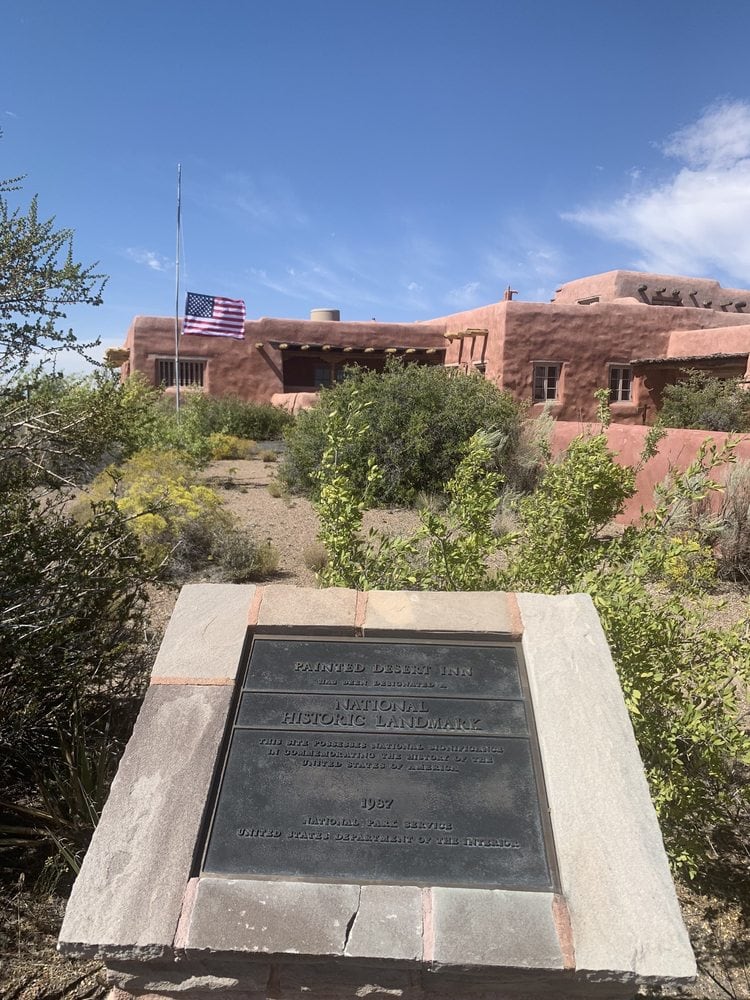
[[494, 928], [388, 924], [127, 898], [305, 609], [206, 633], [625, 918], [267, 917], [489, 615]]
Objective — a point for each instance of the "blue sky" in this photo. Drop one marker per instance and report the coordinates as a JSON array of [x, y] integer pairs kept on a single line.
[[401, 160]]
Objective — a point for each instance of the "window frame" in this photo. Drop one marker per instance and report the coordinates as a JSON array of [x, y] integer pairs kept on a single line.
[[544, 380], [616, 390], [188, 366]]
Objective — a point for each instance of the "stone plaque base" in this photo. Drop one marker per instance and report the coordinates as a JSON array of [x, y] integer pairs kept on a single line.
[[598, 918]]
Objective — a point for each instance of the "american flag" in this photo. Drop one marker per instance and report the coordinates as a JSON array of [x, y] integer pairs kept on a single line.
[[214, 316]]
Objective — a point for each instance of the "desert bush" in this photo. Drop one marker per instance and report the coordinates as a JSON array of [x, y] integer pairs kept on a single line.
[[73, 623], [224, 446], [680, 677], [239, 558], [73, 636], [229, 415], [706, 403], [268, 456], [62, 430], [206, 426], [523, 452], [412, 420], [70, 786], [315, 557], [175, 519], [181, 525], [734, 539]]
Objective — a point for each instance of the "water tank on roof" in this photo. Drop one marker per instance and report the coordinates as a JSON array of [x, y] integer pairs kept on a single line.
[[325, 315]]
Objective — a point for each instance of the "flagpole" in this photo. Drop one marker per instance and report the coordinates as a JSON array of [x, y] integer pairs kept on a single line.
[[177, 298]]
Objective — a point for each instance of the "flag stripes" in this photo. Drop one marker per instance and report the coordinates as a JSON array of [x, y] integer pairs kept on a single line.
[[214, 316]]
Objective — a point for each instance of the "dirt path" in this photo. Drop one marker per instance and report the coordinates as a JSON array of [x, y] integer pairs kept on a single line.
[[289, 523]]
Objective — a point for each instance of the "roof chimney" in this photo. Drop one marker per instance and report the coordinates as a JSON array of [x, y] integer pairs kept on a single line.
[[325, 315]]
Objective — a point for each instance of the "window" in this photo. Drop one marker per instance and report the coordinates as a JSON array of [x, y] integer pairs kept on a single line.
[[620, 383], [322, 376], [546, 382], [191, 372]]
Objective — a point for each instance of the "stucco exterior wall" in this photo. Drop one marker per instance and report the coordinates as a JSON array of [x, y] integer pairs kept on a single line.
[[692, 292], [503, 341], [234, 367], [253, 369], [586, 340], [477, 351], [677, 449]]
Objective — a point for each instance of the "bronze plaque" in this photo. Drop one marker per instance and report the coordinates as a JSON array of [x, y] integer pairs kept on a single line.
[[373, 761]]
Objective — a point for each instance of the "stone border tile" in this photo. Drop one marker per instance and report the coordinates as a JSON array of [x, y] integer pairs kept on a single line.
[[614, 872], [495, 928], [127, 898], [491, 614], [268, 917], [205, 635], [330, 611], [387, 924]]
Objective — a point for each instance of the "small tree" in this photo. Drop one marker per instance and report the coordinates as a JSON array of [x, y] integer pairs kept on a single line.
[[72, 598], [705, 403]]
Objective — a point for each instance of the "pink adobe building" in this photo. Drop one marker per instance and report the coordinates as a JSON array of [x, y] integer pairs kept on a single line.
[[628, 331]]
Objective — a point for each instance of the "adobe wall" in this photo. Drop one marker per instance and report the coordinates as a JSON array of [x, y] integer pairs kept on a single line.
[[691, 292], [689, 343], [677, 449], [478, 349], [587, 339], [252, 369]]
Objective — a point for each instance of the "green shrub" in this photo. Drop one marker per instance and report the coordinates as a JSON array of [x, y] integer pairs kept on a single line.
[[681, 678], [228, 415], [734, 539], [64, 429], [71, 783], [223, 446], [182, 525], [175, 519], [73, 624], [705, 403], [412, 420], [204, 424]]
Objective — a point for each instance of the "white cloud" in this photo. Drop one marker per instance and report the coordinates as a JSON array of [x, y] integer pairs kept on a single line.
[[464, 297], [718, 139], [267, 202], [698, 220], [150, 259], [525, 260], [320, 283]]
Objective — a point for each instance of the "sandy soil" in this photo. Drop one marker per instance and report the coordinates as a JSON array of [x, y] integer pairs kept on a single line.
[[290, 523]]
